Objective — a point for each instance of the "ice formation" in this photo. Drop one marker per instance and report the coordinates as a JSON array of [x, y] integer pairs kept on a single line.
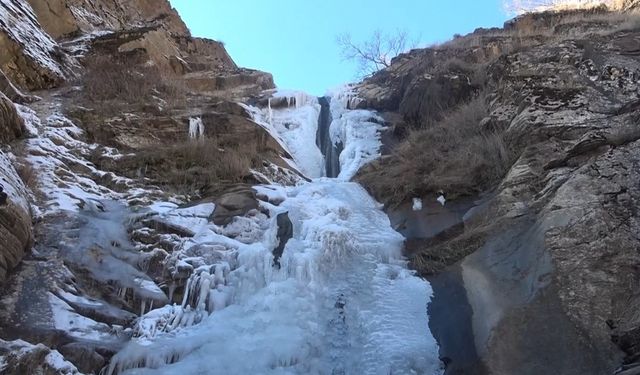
[[340, 300], [295, 129], [196, 128]]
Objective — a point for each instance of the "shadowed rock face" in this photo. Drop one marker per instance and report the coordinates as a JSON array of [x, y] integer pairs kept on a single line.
[[11, 124], [15, 218], [554, 264]]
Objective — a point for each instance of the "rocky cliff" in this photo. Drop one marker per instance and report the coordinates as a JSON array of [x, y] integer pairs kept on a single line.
[[547, 258], [122, 104], [521, 145], [15, 213]]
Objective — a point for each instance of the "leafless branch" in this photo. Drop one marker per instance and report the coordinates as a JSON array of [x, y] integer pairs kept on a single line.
[[376, 53]]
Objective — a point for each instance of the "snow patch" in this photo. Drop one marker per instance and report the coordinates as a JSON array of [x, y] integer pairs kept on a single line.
[[417, 204]]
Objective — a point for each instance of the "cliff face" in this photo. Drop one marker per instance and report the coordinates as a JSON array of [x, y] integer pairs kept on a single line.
[[64, 18], [129, 107], [553, 267], [15, 213], [529, 132]]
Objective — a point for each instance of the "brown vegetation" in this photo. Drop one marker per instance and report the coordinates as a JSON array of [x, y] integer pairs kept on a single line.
[[192, 167], [454, 154], [27, 174], [121, 79]]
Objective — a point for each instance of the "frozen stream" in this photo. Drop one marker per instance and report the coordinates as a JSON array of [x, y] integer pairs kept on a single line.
[[339, 301]]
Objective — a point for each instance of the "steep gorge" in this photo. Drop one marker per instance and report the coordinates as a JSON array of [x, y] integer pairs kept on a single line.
[[170, 212]]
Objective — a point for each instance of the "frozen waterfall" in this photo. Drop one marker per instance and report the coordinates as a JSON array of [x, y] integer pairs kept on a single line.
[[341, 299]]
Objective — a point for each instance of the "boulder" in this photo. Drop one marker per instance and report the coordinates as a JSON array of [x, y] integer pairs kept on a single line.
[[20, 357], [234, 202]]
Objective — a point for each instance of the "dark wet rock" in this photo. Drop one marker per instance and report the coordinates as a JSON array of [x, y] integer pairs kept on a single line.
[[285, 232], [163, 226], [85, 358]]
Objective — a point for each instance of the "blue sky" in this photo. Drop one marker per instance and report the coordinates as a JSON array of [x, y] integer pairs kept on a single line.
[[295, 39]]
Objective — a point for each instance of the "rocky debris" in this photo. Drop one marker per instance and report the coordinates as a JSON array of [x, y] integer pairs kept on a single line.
[[19, 357]]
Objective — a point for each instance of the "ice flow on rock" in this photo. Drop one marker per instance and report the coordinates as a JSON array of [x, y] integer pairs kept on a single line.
[[340, 300]]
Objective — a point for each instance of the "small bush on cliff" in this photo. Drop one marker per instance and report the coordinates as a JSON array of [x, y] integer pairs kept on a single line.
[[454, 154], [122, 79], [193, 166]]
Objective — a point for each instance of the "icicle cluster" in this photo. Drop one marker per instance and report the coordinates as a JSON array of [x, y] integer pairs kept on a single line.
[[196, 128]]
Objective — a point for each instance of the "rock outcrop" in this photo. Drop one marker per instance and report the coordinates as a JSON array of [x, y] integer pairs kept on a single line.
[[553, 270], [15, 218], [21, 357], [30, 58], [64, 18], [11, 124]]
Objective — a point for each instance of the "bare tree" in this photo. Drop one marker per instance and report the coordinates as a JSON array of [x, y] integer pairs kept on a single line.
[[375, 53]]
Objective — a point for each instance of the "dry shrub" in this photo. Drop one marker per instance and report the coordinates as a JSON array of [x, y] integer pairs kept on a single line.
[[475, 71], [193, 166], [454, 155], [121, 78], [27, 174]]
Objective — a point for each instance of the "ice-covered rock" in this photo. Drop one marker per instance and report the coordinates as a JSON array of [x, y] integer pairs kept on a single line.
[[319, 312], [20, 357]]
